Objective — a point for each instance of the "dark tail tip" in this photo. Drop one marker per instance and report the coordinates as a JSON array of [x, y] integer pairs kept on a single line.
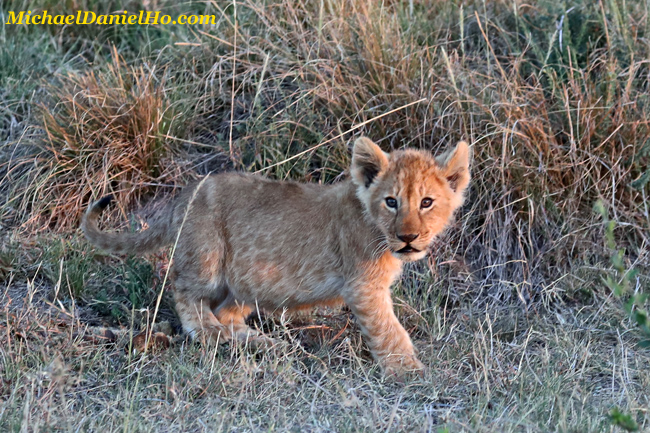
[[104, 202]]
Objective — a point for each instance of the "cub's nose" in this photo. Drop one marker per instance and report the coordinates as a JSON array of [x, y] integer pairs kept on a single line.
[[408, 238]]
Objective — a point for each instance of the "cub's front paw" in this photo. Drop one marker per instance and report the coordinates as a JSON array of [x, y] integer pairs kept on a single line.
[[401, 367]]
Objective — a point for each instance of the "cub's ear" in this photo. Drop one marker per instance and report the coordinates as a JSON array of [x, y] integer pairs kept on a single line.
[[455, 167], [368, 161]]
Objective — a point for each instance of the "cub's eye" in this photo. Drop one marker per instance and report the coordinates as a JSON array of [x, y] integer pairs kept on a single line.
[[391, 202], [426, 202]]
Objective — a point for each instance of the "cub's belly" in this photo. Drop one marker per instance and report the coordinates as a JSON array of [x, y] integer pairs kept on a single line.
[[272, 286]]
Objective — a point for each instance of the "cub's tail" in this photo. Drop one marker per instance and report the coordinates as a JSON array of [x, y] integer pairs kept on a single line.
[[157, 236]]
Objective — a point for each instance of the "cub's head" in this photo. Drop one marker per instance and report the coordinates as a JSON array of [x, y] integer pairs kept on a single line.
[[409, 194]]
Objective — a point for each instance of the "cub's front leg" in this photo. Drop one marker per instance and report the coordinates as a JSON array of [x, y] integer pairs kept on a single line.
[[389, 342]]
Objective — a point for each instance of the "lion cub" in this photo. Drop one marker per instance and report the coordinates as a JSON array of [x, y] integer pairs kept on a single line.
[[247, 241]]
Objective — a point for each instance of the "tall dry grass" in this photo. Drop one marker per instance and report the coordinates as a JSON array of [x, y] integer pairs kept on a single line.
[[103, 133]]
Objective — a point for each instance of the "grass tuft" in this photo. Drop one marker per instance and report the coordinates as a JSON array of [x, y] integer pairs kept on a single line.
[[104, 135]]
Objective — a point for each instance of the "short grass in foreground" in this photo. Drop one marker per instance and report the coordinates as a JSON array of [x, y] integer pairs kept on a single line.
[[490, 371], [510, 312]]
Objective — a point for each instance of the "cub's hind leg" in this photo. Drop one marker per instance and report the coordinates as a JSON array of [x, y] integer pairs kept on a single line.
[[204, 303], [198, 283], [197, 317]]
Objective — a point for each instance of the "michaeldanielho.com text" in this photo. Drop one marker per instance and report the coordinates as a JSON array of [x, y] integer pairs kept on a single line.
[[89, 17]]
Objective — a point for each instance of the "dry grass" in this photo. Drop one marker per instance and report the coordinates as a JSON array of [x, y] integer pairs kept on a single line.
[[510, 313], [105, 134], [493, 372]]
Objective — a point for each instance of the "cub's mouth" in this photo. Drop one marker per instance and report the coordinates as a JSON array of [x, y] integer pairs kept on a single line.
[[407, 249]]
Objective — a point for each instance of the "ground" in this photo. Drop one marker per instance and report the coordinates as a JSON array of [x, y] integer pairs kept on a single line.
[[529, 312]]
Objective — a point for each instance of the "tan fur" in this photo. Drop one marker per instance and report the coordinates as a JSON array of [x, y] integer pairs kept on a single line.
[[252, 242]]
